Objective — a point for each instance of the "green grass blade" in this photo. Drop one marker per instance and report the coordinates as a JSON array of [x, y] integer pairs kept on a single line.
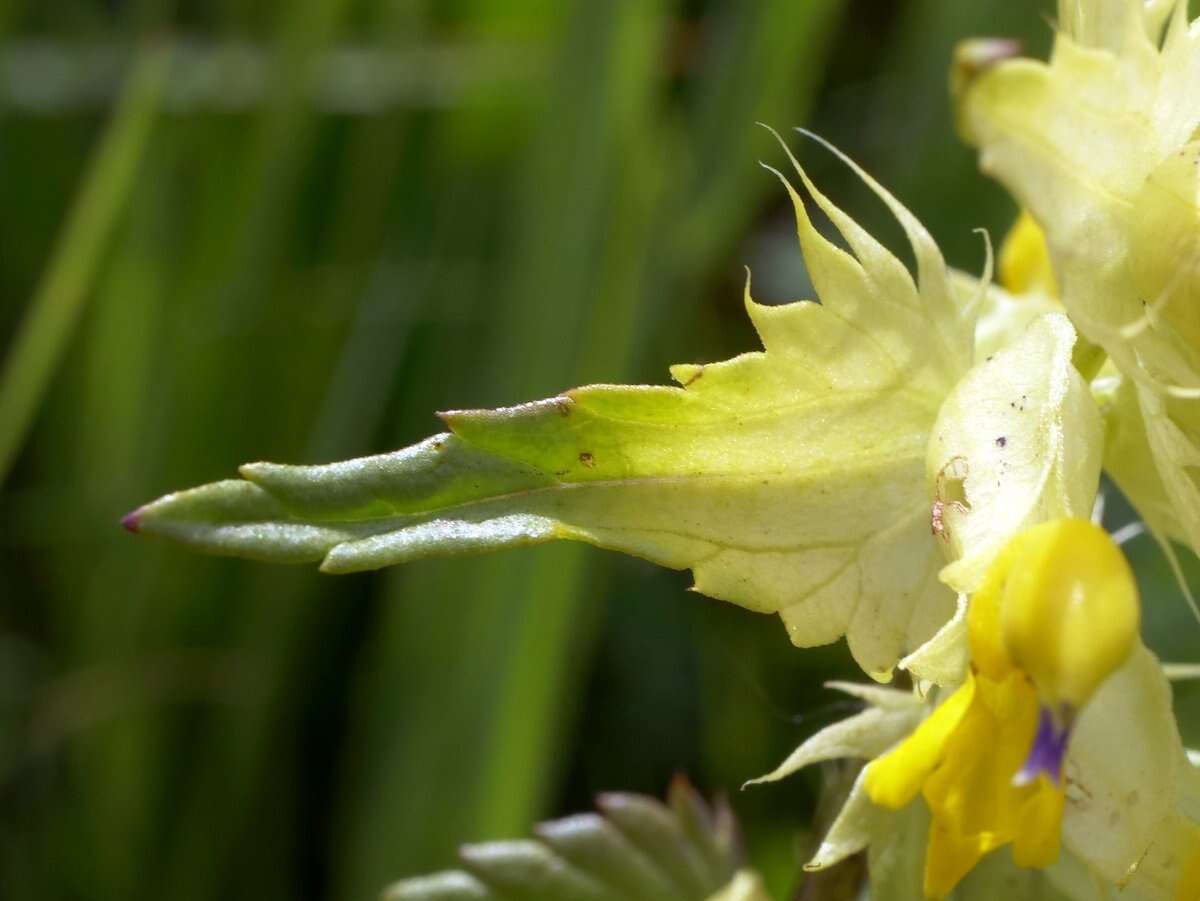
[[54, 311]]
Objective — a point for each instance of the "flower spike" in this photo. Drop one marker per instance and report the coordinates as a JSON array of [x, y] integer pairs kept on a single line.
[[1056, 616], [1100, 145]]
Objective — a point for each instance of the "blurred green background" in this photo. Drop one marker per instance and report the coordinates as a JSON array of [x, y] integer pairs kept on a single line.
[[291, 231]]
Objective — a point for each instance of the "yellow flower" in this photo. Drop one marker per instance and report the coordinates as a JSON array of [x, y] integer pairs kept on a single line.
[[1055, 616], [1024, 264]]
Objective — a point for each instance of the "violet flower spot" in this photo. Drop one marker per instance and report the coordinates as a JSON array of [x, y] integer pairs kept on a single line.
[[1048, 749]]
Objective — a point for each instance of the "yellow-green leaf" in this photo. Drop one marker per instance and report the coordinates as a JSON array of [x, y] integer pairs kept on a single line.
[[790, 480]]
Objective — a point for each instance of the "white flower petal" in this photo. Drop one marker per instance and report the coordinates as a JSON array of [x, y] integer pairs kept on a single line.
[[1022, 435]]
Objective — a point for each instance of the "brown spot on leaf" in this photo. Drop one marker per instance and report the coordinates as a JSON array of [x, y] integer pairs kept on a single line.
[[587, 460], [695, 375]]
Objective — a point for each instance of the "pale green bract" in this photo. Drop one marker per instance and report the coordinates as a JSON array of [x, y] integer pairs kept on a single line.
[[1124, 771], [888, 717], [789, 480]]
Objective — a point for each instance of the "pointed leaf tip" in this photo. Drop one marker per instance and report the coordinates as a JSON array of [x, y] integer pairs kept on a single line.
[[132, 521]]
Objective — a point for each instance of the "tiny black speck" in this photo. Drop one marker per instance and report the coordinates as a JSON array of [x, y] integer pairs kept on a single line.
[[1001, 441]]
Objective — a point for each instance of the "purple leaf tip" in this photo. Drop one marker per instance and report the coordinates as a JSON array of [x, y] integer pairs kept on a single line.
[[131, 521]]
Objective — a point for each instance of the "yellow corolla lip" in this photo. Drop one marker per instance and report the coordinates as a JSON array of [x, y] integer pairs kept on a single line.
[[1056, 614], [967, 760], [895, 778]]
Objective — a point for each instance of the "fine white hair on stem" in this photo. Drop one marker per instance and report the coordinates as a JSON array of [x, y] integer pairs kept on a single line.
[[1181, 672], [1129, 532]]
